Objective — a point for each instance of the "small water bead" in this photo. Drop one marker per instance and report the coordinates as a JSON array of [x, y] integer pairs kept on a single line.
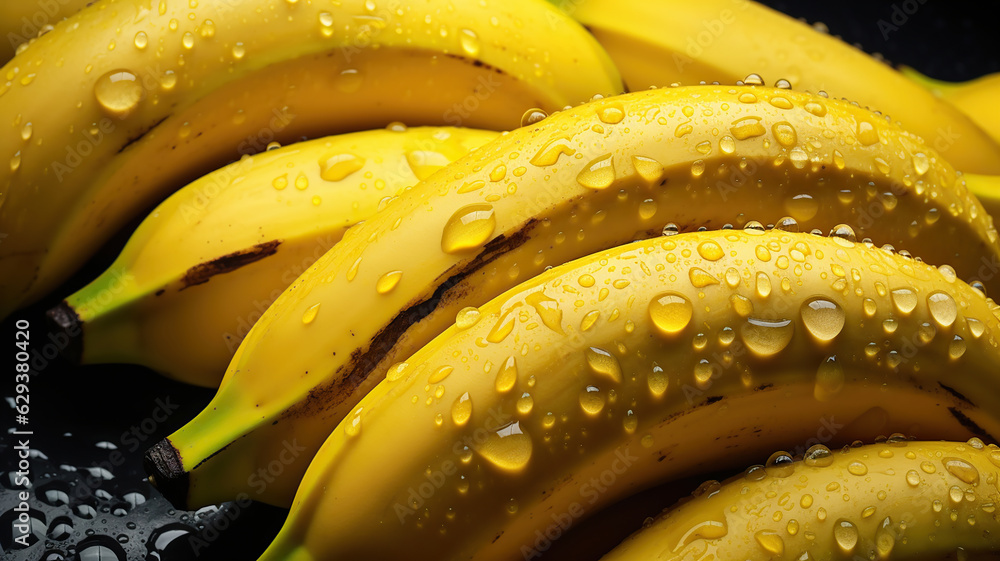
[[670, 313], [727, 144], [912, 478], [335, 167], [468, 228], [956, 348], [753, 79], [603, 363], [763, 284], [867, 134], [818, 455], [844, 232], [962, 469], [823, 318], [592, 400], [670, 229], [754, 228], [387, 282], [507, 448], [119, 93], [657, 381], [857, 468], [598, 174], [239, 51], [310, 314], [942, 308], [703, 374], [467, 317], [780, 464], [904, 299], [525, 403], [829, 379], [770, 542]]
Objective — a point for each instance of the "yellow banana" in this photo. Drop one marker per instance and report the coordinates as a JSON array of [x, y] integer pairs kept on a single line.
[[976, 98], [23, 20], [580, 181], [128, 100], [209, 260], [653, 360], [986, 188], [667, 41], [893, 500]]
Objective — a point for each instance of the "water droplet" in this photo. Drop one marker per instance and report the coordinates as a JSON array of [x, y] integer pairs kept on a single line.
[[701, 278], [767, 337], [763, 284], [508, 448], [396, 371], [592, 400], [753, 79], [885, 539], [867, 135], [603, 363], [904, 299], [440, 374], [657, 381], [352, 427], [741, 305], [962, 470], [533, 116], [461, 409], [727, 144], [280, 182], [503, 327], [770, 542], [710, 250], [697, 168], [823, 318], [119, 93], [670, 312], [310, 314], [335, 167], [467, 317], [301, 181], [388, 281], [857, 468], [187, 41], [425, 163], [611, 114], [470, 227], [942, 307], [780, 464], [829, 379], [843, 232], [649, 169], [239, 51], [599, 173], [845, 534], [816, 108], [525, 403], [470, 42], [507, 376], [817, 455], [747, 127], [141, 40], [921, 163]]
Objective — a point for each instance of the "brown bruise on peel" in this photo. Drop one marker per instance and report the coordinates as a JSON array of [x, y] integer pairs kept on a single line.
[[141, 134], [203, 272]]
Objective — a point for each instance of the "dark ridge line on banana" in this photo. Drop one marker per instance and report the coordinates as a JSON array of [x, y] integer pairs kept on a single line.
[[956, 393], [143, 133], [391, 333], [203, 272], [968, 423]]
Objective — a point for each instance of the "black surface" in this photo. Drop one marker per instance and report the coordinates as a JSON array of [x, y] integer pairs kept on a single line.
[[89, 419]]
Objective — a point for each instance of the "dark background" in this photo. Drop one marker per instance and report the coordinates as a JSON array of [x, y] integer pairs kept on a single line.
[[80, 413]]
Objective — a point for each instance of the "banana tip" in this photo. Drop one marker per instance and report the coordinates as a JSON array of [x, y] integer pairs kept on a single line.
[[67, 328], [163, 464]]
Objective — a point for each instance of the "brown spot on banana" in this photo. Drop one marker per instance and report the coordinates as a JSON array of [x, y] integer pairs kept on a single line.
[[203, 272]]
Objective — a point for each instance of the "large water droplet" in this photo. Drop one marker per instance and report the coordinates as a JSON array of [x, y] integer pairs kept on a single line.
[[845, 533], [119, 93], [670, 312], [829, 379], [823, 319], [387, 282], [461, 409], [507, 376], [508, 448], [335, 167], [767, 337], [470, 42], [942, 307], [592, 400], [904, 299], [867, 135], [710, 250], [962, 470], [310, 314], [599, 173], [770, 541], [817, 455], [747, 127], [470, 227], [603, 363]]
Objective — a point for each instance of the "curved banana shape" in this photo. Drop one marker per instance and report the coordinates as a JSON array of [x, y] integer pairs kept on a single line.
[[894, 500], [668, 41], [653, 360], [128, 100], [578, 182], [976, 98], [986, 188], [21, 21], [208, 261]]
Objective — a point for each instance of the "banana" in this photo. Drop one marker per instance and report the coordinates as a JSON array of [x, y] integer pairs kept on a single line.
[[663, 42], [23, 20], [976, 98], [641, 364], [210, 259], [894, 500], [579, 181], [128, 100], [986, 188]]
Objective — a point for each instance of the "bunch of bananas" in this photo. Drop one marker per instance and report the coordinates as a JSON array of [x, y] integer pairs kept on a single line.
[[546, 295]]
